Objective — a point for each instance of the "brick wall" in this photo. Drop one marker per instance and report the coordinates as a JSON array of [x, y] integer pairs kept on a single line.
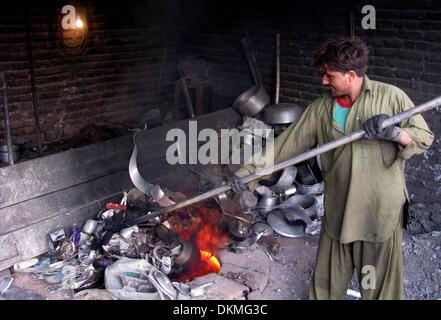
[[115, 80], [405, 50]]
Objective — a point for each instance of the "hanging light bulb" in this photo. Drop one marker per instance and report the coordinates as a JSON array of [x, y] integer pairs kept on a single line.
[[79, 22]]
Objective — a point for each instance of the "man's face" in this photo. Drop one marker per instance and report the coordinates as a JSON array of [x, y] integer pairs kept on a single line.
[[339, 82]]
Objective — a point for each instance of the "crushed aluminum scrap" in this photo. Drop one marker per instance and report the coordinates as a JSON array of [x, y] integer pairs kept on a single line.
[[154, 191], [135, 261]]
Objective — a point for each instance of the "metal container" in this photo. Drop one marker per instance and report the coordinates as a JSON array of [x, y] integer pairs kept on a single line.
[[282, 113], [256, 98], [286, 180], [251, 101], [267, 203], [188, 257], [238, 230], [90, 226], [4, 153], [288, 192]]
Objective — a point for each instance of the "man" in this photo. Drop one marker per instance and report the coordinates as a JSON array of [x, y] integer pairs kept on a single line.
[[366, 200]]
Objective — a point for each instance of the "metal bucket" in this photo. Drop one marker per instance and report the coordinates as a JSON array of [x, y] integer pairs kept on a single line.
[[4, 153], [251, 101]]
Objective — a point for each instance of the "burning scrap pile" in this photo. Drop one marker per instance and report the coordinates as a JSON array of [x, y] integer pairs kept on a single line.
[[132, 260]]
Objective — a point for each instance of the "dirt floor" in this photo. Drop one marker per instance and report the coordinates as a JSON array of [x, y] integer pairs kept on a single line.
[[422, 268]]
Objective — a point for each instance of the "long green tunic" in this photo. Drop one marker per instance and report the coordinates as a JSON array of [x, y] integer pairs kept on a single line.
[[364, 181]]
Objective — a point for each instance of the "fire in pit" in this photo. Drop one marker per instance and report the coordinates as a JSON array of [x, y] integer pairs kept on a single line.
[[203, 228]]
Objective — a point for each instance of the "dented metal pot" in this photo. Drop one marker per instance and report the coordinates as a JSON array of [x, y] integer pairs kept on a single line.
[[267, 203], [308, 203], [286, 180]]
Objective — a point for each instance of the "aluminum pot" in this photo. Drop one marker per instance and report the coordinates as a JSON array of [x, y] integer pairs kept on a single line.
[[267, 203], [283, 113], [90, 226], [251, 101], [286, 180], [189, 255], [288, 192], [4, 153], [238, 230]]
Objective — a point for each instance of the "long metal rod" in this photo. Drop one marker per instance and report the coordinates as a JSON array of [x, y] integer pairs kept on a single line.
[[302, 157], [187, 98], [256, 73], [351, 25], [276, 94], [33, 87], [246, 48], [3, 81], [164, 53]]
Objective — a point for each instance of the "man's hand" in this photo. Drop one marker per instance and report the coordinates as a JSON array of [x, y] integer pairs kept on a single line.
[[237, 185], [372, 126]]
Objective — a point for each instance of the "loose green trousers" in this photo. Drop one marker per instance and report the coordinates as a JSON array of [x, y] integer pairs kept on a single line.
[[379, 267]]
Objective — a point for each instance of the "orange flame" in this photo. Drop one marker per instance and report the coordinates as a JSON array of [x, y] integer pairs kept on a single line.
[[212, 261], [208, 238]]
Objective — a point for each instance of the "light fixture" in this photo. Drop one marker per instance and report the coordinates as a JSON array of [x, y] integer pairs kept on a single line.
[[72, 29], [79, 23]]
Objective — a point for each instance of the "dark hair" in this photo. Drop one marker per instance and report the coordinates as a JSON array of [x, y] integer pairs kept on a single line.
[[343, 54]]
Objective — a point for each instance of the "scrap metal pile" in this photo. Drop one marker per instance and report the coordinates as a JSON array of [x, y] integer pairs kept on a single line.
[[289, 201], [133, 261]]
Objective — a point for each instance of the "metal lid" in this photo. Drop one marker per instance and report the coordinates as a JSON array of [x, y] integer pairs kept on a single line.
[[278, 222]]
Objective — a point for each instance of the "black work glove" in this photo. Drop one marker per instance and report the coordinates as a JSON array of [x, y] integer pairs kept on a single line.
[[372, 126], [237, 185]]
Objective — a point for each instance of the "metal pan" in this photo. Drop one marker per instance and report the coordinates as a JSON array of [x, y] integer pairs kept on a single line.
[[256, 98], [283, 113], [251, 101], [279, 224]]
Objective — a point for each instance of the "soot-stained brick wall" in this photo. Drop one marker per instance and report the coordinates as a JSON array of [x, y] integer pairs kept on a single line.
[[115, 80], [405, 50]]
